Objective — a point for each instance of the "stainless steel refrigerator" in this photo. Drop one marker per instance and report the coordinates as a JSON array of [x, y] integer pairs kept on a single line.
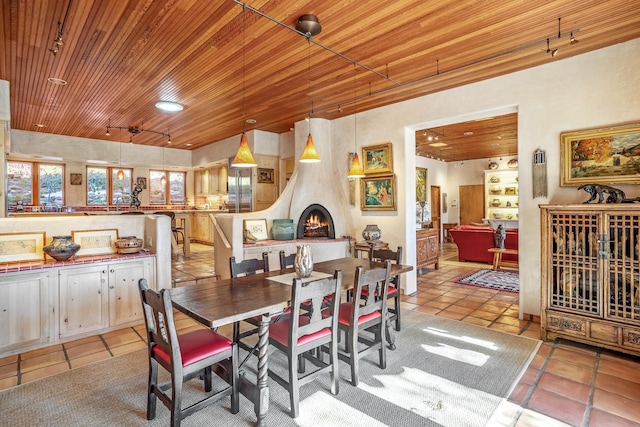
[[240, 189]]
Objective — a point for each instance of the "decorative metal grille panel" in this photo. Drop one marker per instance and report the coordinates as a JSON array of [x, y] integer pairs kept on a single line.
[[575, 268], [624, 279]]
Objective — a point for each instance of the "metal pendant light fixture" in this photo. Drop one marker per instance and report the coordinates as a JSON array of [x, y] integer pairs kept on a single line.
[[356, 168], [244, 158], [309, 155]]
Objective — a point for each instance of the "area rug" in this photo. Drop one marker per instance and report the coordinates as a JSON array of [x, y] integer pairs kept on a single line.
[[443, 373], [499, 279]]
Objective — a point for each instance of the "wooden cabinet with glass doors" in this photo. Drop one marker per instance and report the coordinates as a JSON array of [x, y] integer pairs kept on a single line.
[[591, 274]]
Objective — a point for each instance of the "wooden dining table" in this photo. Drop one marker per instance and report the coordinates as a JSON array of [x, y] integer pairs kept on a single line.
[[231, 300]]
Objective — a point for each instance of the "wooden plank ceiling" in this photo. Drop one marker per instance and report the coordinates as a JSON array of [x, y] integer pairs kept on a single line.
[[120, 57]]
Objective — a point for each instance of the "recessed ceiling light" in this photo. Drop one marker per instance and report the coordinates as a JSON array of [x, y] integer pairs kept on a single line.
[[251, 121], [188, 144], [40, 125], [169, 106], [437, 144], [56, 81], [468, 133]]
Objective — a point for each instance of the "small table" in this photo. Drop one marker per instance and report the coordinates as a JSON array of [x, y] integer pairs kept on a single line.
[[497, 258], [445, 230], [368, 245]]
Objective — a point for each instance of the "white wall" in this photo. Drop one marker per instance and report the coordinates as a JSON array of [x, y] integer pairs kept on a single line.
[[593, 90], [76, 153]]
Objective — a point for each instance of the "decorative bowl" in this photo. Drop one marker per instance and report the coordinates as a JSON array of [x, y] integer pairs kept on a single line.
[[494, 179], [494, 189], [129, 245]]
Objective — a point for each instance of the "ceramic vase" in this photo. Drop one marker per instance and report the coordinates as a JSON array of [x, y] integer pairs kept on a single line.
[[371, 232], [61, 248], [303, 263]]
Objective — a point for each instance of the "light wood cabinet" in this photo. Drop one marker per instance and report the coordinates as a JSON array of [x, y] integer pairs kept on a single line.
[[591, 275], [100, 296], [27, 308], [201, 228], [83, 300], [210, 181], [427, 247], [266, 195], [124, 294]]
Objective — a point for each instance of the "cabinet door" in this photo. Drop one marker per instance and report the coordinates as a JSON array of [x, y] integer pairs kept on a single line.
[[422, 251], [222, 179], [124, 296], [25, 314], [432, 247], [83, 300], [214, 181], [197, 180], [203, 231]]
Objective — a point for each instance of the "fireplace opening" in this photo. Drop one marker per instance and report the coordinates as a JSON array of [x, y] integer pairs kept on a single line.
[[316, 223]]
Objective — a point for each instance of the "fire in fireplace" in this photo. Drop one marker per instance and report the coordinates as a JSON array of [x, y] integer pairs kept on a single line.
[[316, 223]]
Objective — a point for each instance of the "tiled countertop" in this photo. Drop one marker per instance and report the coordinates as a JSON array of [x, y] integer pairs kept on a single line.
[[73, 261]]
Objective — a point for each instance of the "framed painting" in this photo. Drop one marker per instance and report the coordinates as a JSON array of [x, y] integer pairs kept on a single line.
[[141, 182], [75, 179], [257, 228], [378, 193], [377, 159], [265, 176], [421, 185], [96, 242], [22, 246], [601, 156]]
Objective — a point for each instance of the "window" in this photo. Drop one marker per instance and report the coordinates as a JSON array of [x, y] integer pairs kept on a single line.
[[35, 183], [19, 183], [51, 184], [104, 186], [170, 193]]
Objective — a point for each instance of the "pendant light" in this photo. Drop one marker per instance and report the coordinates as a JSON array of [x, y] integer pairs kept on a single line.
[[244, 158], [309, 155], [356, 168], [163, 179], [120, 173]]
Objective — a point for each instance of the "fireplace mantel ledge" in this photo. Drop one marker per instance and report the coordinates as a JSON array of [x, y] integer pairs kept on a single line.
[[296, 241]]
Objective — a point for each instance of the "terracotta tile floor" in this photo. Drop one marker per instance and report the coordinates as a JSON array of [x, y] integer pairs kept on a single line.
[[565, 384]]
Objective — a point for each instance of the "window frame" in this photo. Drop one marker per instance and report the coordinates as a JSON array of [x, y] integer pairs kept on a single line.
[[167, 187], [110, 171], [35, 181]]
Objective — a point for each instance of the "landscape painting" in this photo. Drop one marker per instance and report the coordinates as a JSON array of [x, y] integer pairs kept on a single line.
[[601, 156]]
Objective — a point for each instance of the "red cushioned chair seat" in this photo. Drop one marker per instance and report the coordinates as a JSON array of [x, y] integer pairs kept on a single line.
[[391, 292], [345, 315], [197, 345], [279, 331]]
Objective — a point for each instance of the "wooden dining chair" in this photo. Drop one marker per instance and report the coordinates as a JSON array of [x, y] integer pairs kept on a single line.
[[363, 320], [184, 356], [299, 335], [382, 255], [286, 261], [247, 267]]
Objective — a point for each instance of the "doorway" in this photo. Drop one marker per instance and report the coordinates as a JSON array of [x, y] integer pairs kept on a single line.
[[471, 204], [435, 210]]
